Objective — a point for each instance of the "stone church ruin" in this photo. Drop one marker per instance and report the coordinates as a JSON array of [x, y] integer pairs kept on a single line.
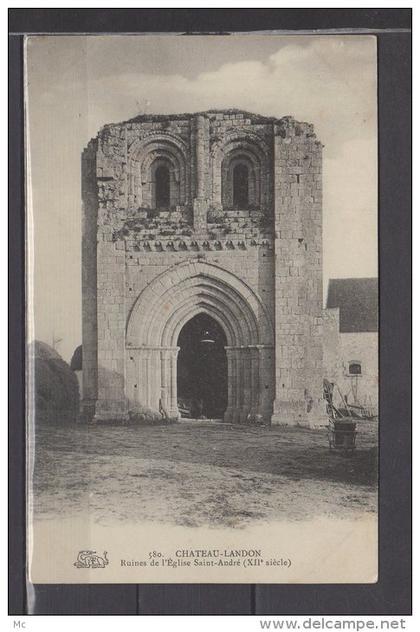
[[202, 268]]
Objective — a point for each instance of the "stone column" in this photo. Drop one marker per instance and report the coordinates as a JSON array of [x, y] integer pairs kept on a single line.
[[266, 385], [298, 272], [255, 383], [238, 399], [155, 377], [173, 399], [202, 141], [245, 354], [231, 378], [235, 385], [103, 178], [164, 389], [250, 371], [202, 149]]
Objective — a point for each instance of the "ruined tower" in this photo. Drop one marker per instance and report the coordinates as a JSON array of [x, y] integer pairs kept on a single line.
[[214, 216]]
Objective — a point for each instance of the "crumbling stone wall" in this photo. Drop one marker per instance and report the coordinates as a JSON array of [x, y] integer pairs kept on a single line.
[[272, 246]]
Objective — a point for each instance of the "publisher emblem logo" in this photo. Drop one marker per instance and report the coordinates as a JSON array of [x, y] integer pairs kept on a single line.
[[90, 559]]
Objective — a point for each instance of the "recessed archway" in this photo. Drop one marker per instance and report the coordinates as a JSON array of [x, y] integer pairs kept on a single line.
[[253, 152], [202, 376], [158, 317], [145, 156]]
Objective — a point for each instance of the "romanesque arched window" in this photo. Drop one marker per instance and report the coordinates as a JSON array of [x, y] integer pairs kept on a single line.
[[240, 181], [158, 174], [162, 187], [229, 180], [240, 184]]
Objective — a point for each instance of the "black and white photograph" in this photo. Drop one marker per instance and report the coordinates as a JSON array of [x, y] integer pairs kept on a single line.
[[202, 308]]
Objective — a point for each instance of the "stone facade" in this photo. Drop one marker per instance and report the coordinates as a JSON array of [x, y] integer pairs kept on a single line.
[[219, 213], [351, 362]]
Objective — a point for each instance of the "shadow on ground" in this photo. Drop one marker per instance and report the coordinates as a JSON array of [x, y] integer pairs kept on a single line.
[[196, 473]]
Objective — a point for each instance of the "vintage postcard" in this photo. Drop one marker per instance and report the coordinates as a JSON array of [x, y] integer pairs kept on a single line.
[[202, 309]]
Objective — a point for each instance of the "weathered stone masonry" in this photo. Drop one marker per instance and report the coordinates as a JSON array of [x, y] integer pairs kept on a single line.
[[219, 213]]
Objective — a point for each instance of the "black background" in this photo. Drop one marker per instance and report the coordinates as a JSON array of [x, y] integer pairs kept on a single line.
[[392, 593]]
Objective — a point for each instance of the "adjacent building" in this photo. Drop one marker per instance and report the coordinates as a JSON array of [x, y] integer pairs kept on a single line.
[[351, 340]]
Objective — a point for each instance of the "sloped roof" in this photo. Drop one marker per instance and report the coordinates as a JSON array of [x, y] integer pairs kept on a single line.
[[358, 303]]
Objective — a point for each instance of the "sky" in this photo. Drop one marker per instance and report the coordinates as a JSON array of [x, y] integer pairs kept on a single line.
[[77, 84]]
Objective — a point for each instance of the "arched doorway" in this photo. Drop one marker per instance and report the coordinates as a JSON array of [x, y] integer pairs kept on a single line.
[[202, 368], [166, 306]]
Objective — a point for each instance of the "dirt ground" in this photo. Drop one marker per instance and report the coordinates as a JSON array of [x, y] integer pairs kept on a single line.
[[201, 473]]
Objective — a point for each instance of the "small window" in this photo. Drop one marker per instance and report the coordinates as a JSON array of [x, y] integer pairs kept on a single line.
[[162, 184], [240, 186], [355, 368]]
